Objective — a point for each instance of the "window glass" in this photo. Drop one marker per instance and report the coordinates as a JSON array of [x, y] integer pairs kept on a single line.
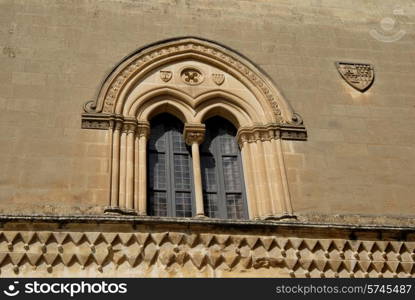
[[169, 169], [223, 188]]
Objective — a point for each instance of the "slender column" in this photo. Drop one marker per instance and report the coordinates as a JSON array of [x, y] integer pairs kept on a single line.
[[288, 208], [194, 135], [278, 203], [249, 178], [278, 178], [262, 186], [129, 185], [136, 162], [115, 165], [123, 164], [110, 146], [272, 175], [197, 179], [143, 132]]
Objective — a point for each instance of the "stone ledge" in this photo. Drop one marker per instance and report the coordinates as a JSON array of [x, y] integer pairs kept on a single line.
[[285, 222]]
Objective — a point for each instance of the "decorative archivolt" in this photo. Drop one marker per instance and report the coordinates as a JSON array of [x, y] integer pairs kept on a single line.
[[194, 80], [124, 78]]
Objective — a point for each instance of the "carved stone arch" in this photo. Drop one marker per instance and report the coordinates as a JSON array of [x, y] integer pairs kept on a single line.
[[194, 79], [238, 115], [128, 73], [135, 107], [163, 103]]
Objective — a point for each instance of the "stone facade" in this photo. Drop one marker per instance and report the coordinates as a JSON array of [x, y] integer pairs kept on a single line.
[[152, 247], [356, 166]]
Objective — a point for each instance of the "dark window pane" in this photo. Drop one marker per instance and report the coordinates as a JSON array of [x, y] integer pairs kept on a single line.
[[169, 169], [157, 140], [231, 174], [221, 172], [178, 142], [181, 172], [158, 204], [227, 143], [209, 180], [234, 206], [183, 205], [157, 171], [211, 205]]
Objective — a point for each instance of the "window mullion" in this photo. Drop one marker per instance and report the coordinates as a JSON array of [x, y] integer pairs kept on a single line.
[[243, 191], [192, 182], [170, 171], [221, 180]]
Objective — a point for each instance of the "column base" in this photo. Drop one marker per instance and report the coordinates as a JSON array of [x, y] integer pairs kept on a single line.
[[128, 211], [278, 217], [119, 211], [201, 217], [112, 210]]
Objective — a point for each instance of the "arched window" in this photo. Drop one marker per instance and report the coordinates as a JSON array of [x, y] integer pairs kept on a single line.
[[169, 169], [195, 79], [222, 176]]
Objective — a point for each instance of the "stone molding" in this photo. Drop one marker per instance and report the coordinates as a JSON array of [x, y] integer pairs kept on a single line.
[[146, 248], [269, 132], [286, 131]]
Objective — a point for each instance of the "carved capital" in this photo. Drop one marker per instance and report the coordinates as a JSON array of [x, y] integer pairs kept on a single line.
[[194, 133], [130, 125], [270, 132], [258, 133], [143, 129], [119, 121], [111, 124]]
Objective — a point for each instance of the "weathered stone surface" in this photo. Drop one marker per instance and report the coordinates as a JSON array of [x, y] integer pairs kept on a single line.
[[201, 249]]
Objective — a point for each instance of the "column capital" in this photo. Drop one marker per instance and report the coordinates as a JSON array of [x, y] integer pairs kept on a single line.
[[143, 129], [118, 124], [194, 133], [258, 133], [130, 124]]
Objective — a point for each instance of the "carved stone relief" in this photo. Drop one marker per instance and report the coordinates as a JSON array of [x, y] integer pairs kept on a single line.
[[192, 76], [359, 76], [166, 75], [207, 51], [218, 78], [118, 250]]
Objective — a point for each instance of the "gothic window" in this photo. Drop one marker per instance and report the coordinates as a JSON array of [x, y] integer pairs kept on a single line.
[[223, 183], [170, 179], [190, 168]]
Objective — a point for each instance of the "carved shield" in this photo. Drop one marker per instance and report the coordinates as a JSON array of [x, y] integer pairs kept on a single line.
[[360, 76], [218, 78], [166, 75]]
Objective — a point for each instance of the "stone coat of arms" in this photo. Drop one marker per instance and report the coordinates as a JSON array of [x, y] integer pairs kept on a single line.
[[218, 78], [166, 75], [358, 75]]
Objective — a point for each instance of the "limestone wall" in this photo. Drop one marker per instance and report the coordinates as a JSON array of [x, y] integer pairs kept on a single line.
[[361, 146]]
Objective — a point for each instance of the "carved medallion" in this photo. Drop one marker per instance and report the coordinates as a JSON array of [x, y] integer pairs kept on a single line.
[[191, 76], [218, 78], [166, 75], [359, 76]]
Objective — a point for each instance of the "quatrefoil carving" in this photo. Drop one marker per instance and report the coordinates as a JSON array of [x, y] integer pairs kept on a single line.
[[192, 76]]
